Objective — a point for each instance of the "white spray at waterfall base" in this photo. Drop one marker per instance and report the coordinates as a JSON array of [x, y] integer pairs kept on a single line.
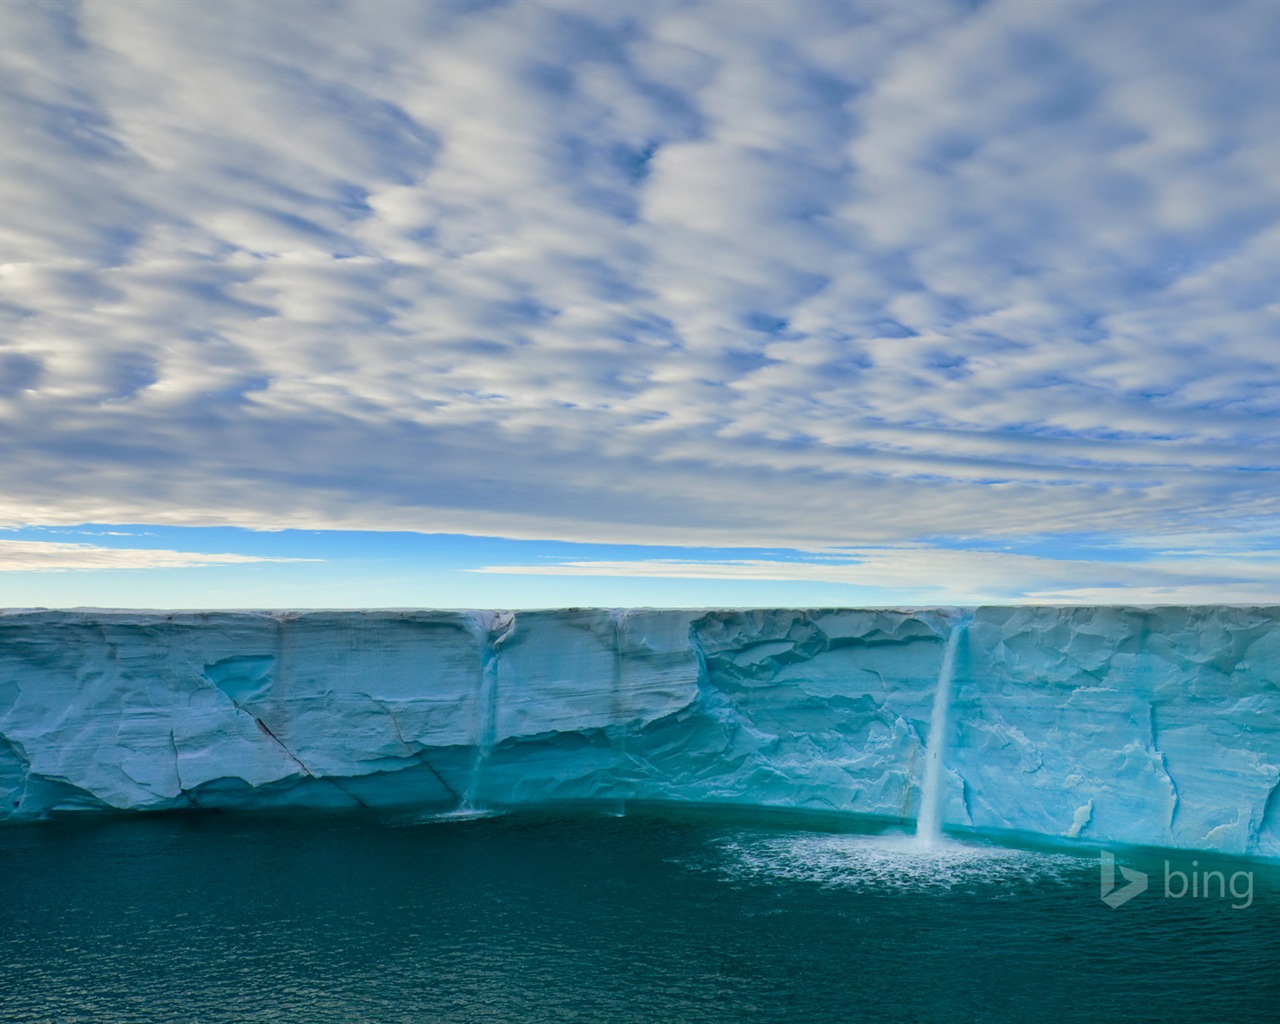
[[929, 820], [886, 863]]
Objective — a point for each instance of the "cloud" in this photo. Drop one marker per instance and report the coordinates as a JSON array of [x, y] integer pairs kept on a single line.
[[863, 273], [56, 556], [930, 575]]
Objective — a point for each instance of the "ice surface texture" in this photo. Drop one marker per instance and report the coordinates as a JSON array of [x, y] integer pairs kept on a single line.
[[1158, 726]]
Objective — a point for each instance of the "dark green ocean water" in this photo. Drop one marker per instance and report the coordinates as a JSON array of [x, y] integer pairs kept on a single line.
[[657, 916]]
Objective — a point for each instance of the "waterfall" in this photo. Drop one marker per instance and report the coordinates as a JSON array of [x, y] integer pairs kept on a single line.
[[499, 627], [929, 820], [619, 713]]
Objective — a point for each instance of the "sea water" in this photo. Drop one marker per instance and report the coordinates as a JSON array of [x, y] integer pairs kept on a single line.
[[663, 915]]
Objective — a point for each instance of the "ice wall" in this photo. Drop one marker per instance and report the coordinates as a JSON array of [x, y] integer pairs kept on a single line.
[[1103, 725]]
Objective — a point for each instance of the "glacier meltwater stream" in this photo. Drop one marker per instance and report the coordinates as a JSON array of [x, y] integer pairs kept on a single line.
[[929, 818]]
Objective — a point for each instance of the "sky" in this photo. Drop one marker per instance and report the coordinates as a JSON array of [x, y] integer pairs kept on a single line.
[[667, 303]]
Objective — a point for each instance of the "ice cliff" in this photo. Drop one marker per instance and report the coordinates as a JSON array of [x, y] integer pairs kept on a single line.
[[1158, 726]]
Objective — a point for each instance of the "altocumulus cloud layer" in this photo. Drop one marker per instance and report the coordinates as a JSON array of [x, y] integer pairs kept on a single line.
[[771, 274]]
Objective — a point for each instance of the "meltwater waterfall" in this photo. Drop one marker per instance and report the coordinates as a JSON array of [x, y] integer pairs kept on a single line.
[[499, 628], [929, 821], [619, 711]]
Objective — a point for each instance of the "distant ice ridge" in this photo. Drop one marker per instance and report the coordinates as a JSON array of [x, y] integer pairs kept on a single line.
[[1100, 725]]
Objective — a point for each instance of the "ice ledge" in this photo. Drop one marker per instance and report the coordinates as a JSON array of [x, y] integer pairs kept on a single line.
[[1152, 726]]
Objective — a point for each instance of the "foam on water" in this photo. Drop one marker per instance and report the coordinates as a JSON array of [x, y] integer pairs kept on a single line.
[[461, 813], [887, 862]]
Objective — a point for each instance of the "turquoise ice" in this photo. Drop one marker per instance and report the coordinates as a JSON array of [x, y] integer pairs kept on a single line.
[[1093, 725]]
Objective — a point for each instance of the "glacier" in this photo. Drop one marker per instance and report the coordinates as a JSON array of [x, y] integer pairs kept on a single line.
[[1108, 725]]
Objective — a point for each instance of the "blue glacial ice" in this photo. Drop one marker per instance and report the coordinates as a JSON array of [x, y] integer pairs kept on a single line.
[[1094, 725]]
